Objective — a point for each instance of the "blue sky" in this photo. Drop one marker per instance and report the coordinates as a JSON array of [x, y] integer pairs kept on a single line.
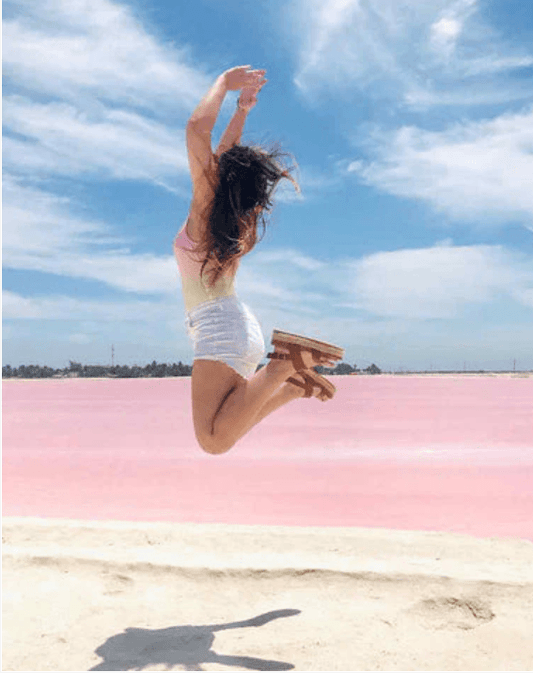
[[412, 125]]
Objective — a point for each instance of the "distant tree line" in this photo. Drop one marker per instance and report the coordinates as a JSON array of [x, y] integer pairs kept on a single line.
[[76, 369], [343, 368], [153, 370]]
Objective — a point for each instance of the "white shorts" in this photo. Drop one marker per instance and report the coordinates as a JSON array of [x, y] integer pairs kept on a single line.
[[227, 331]]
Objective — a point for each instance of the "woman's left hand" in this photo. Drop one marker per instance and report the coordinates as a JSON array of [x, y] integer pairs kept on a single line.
[[248, 97]]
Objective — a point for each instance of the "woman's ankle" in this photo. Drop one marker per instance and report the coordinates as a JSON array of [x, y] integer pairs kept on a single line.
[[282, 368]]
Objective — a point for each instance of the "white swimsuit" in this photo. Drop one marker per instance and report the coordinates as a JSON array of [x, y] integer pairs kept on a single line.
[[220, 326]]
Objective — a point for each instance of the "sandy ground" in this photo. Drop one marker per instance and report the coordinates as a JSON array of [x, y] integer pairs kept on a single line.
[[189, 597]]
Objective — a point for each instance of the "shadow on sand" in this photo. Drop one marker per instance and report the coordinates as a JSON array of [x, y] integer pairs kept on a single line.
[[190, 646]]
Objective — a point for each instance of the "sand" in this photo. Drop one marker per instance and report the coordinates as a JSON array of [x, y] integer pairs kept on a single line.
[[82, 595]]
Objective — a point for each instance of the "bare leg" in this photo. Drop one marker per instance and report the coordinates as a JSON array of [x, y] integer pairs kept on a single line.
[[282, 396], [250, 401], [240, 408]]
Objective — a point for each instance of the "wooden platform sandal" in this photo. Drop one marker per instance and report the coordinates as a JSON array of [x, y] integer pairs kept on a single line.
[[295, 343], [322, 352]]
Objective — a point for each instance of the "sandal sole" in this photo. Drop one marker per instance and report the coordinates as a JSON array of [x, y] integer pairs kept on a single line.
[[280, 338]]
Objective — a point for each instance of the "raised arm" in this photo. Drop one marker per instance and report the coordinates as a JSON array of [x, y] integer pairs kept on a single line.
[[232, 134], [202, 121], [247, 100], [205, 115]]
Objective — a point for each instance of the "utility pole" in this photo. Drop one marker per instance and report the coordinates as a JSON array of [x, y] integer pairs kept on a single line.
[[112, 355], [514, 365]]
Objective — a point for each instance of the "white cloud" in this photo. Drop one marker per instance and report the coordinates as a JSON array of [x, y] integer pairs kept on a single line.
[[465, 93], [410, 308], [413, 51], [61, 140], [524, 295], [281, 279], [419, 284], [428, 283], [140, 273], [381, 308], [312, 183], [102, 96], [60, 307], [445, 32], [41, 234], [83, 329], [39, 223], [96, 49], [476, 171], [344, 43], [438, 282], [288, 256], [494, 64]]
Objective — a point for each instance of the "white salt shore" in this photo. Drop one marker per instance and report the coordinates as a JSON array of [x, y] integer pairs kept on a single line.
[[116, 596]]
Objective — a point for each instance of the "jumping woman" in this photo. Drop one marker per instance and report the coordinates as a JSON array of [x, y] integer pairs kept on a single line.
[[232, 188]]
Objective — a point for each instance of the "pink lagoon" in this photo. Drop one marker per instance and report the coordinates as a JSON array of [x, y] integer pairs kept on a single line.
[[443, 453]]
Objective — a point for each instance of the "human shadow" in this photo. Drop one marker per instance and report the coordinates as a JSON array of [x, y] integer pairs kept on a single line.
[[136, 649]]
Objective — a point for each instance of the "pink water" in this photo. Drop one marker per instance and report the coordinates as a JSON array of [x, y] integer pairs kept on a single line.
[[427, 453]]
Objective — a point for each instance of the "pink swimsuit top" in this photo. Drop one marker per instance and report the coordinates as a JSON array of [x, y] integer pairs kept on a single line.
[[196, 289]]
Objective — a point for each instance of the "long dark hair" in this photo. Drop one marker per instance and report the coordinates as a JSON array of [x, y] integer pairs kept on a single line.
[[245, 181]]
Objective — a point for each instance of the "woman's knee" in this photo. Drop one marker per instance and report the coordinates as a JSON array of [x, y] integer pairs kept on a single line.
[[213, 444]]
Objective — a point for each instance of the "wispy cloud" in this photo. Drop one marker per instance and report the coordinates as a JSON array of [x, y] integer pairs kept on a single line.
[[381, 308], [420, 284], [96, 50], [474, 171], [84, 329], [58, 139], [62, 307], [102, 97], [439, 282], [414, 52], [396, 308], [42, 234], [92, 95], [421, 54], [40, 223], [446, 31]]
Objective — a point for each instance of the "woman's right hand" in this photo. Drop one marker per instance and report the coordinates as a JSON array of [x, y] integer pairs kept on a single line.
[[242, 76]]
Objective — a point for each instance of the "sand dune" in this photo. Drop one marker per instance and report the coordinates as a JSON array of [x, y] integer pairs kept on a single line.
[[135, 596]]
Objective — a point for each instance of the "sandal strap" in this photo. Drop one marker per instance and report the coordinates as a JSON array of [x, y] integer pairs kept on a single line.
[[295, 354], [320, 381], [279, 356], [306, 386], [296, 357]]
